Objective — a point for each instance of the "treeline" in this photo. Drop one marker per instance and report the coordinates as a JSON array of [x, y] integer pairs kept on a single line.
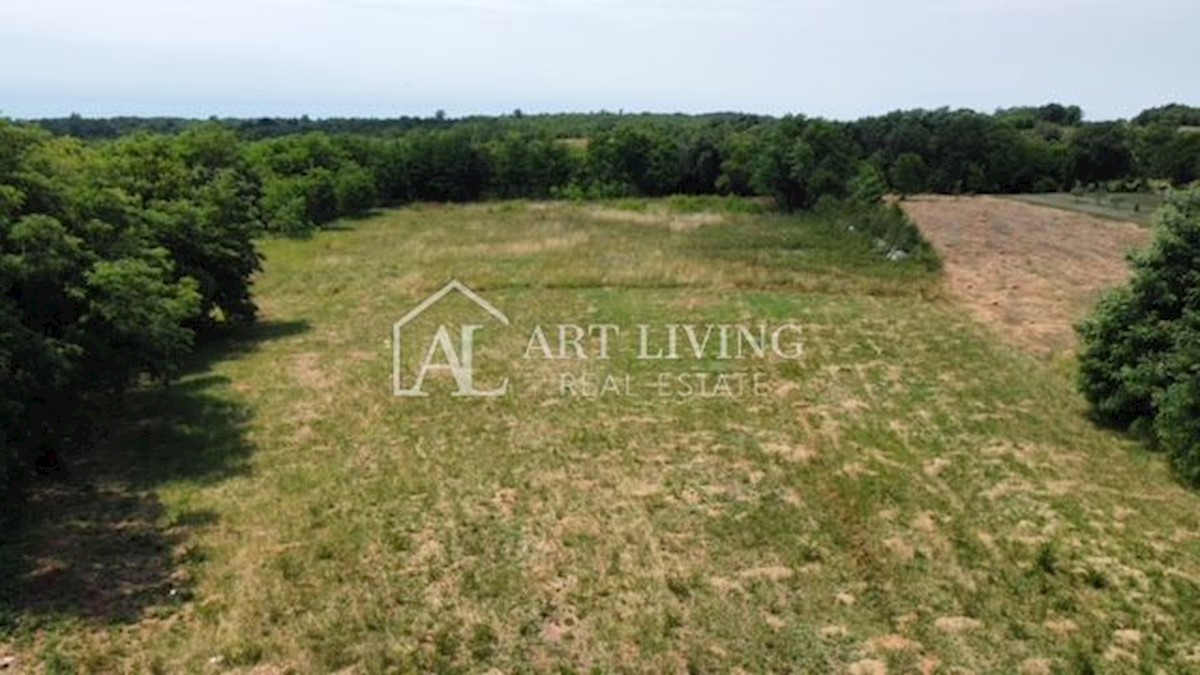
[[1029, 149], [304, 180], [562, 125]]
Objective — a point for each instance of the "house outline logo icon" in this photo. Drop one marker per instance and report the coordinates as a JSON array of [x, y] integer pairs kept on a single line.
[[458, 360]]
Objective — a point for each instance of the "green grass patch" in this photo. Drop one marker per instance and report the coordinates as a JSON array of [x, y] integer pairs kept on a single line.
[[1138, 207]]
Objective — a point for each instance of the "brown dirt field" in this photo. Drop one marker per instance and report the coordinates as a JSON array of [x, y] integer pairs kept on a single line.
[[1028, 272]]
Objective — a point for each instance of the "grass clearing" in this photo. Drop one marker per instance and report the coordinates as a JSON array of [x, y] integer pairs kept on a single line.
[[912, 495], [1137, 207]]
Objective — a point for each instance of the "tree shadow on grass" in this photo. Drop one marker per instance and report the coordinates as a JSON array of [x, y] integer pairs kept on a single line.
[[98, 544]]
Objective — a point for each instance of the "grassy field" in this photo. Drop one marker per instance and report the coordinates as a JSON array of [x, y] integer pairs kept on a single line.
[[1138, 207], [910, 496]]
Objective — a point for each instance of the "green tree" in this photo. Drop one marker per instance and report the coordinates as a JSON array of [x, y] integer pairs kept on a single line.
[[354, 189], [1101, 152], [1140, 355], [868, 186], [636, 158], [908, 174], [525, 166], [1168, 153], [96, 289], [801, 161]]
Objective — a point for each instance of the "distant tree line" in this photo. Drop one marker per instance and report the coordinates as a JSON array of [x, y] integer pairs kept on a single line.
[[1029, 149], [124, 241], [313, 177], [556, 124]]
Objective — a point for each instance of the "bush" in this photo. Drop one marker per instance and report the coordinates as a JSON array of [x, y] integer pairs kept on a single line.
[[296, 205], [868, 185], [909, 174], [888, 227], [1140, 355], [354, 190], [1178, 427]]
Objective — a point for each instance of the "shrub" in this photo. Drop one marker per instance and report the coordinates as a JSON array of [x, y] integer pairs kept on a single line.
[[354, 190], [868, 185], [1178, 427], [1140, 355], [296, 205], [909, 174], [887, 226]]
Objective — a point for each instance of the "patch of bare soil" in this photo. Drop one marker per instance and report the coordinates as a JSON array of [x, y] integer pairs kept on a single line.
[[1029, 272]]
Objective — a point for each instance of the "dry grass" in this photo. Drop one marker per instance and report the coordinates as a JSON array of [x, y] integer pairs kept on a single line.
[[1028, 271]]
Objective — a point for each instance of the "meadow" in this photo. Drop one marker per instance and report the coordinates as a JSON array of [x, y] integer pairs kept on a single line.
[[913, 495]]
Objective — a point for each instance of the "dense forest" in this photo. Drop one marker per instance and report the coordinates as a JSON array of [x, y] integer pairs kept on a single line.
[[123, 241], [1026, 149]]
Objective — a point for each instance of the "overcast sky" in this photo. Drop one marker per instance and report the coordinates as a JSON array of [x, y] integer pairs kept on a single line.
[[832, 58]]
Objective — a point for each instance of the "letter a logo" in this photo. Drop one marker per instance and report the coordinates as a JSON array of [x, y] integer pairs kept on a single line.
[[442, 355]]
